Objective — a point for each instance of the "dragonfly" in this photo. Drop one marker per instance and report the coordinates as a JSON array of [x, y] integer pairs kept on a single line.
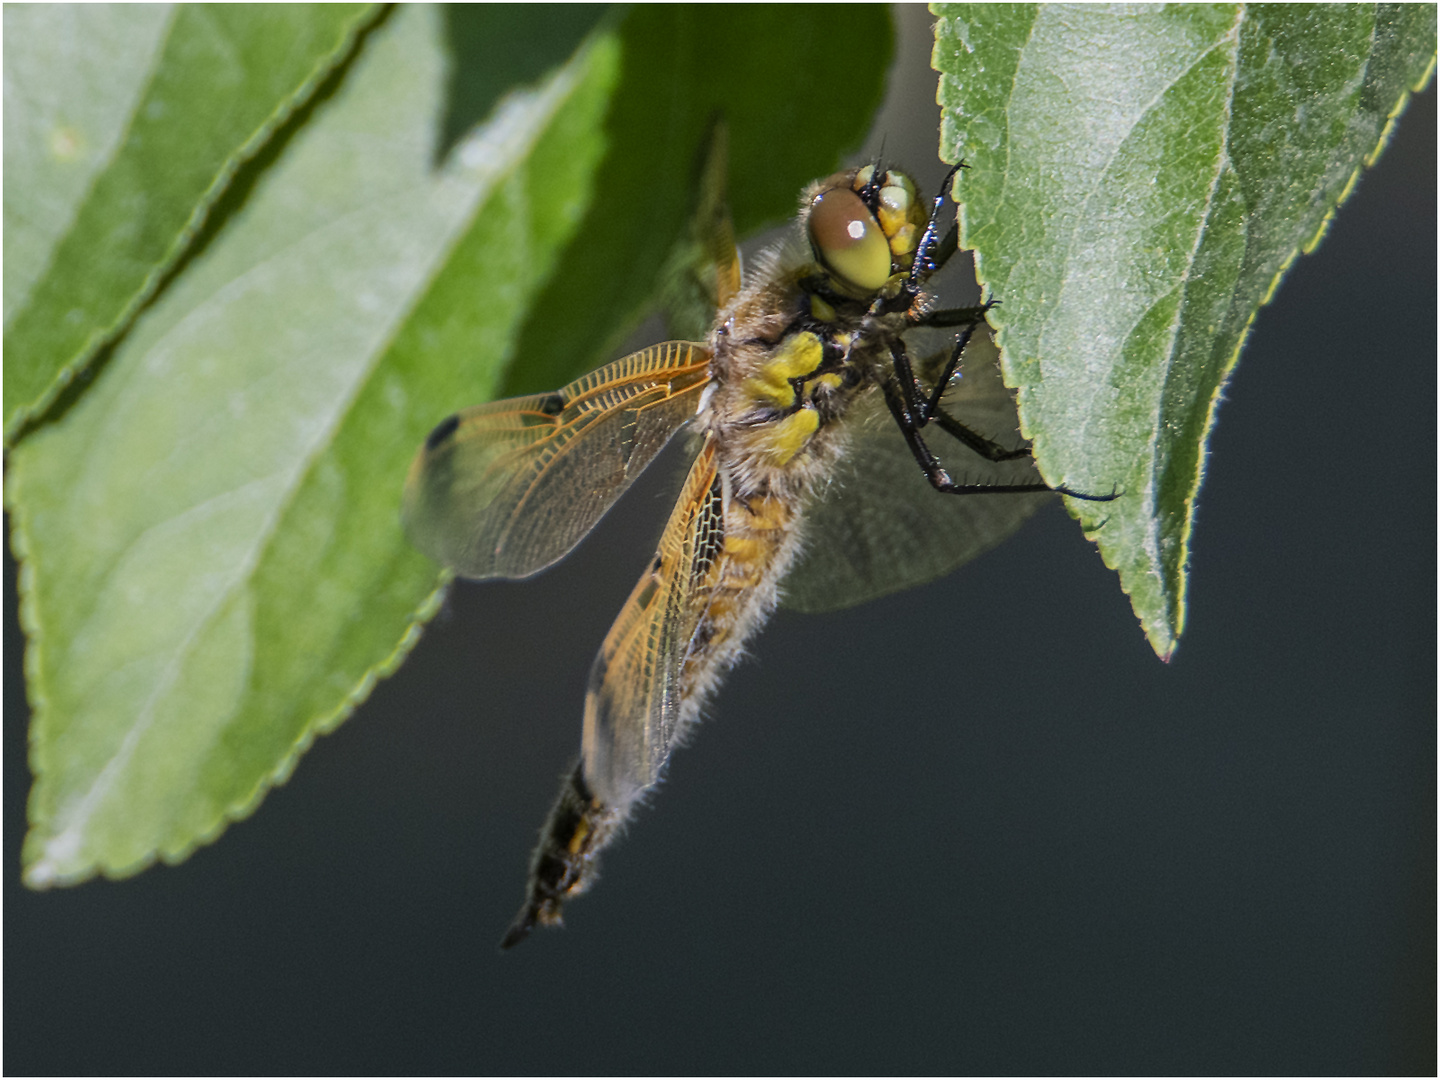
[[811, 423]]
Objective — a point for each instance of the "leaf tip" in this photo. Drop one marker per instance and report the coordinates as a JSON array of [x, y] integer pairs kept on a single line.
[[46, 869], [1163, 632]]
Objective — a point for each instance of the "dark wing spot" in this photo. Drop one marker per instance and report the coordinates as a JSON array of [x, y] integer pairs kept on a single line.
[[443, 431], [553, 405]]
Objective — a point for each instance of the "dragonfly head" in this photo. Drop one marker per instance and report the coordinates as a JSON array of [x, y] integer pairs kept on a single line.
[[863, 229]]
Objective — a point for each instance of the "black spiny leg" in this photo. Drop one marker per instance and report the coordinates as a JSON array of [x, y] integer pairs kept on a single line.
[[970, 318], [960, 316], [931, 253], [908, 406], [930, 465], [989, 449], [924, 407], [912, 406], [934, 250], [986, 448], [977, 316]]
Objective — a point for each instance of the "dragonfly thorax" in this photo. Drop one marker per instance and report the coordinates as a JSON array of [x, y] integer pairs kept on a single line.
[[811, 329]]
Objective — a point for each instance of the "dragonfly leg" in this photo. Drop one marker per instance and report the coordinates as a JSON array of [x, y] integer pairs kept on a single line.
[[932, 412], [962, 339], [908, 406], [989, 449], [923, 410], [962, 316], [934, 250]]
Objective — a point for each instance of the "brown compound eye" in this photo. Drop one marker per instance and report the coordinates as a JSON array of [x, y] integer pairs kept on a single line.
[[847, 239]]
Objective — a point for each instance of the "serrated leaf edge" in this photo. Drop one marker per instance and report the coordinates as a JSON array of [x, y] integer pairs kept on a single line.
[[546, 102], [1164, 634], [1164, 650], [1213, 406]]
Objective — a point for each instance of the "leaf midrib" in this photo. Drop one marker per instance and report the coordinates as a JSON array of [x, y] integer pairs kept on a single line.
[[544, 104], [1082, 435]]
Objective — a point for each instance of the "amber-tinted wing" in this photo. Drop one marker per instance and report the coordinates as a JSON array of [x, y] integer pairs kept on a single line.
[[506, 489], [634, 703], [880, 527]]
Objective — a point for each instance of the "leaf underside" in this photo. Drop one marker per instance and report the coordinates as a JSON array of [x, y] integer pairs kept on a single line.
[[1139, 182], [123, 127]]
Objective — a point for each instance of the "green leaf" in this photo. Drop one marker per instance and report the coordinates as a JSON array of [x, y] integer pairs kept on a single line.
[[755, 66], [213, 569], [230, 445], [123, 126], [1139, 181]]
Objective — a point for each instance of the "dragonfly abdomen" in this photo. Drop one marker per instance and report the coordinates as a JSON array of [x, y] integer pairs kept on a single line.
[[563, 865], [761, 541]]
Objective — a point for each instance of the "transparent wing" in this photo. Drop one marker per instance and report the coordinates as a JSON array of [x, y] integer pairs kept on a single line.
[[506, 489], [880, 527], [633, 704]]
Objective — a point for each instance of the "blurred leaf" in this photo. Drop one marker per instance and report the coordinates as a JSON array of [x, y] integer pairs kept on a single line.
[[181, 652], [124, 125], [212, 564], [1139, 181], [754, 66]]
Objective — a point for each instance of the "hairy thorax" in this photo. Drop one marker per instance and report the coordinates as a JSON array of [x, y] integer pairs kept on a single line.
[[787, 366]]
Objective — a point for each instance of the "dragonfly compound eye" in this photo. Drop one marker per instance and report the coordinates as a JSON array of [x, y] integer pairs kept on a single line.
[[848, 241]]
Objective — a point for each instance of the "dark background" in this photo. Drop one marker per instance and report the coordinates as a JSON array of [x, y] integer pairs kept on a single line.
[[971, 828]]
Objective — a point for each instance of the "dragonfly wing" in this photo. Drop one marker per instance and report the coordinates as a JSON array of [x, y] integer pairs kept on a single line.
[[880, 527], [634, 705], [506, 489]]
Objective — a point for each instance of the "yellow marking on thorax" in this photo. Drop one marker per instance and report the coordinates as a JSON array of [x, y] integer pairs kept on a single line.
[[797, 355], [785, 438], [830, 379]]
